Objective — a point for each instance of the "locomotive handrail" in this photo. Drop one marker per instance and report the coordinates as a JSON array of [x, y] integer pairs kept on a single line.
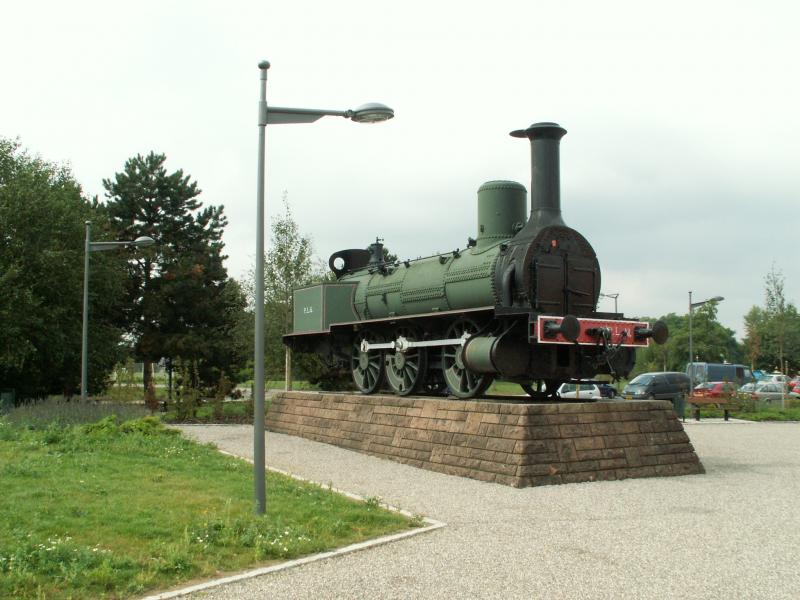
[[403, 345], [454, 253]]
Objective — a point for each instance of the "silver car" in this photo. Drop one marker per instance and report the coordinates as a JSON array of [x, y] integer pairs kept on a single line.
[[747, 389], [772, 392], [583, 391]]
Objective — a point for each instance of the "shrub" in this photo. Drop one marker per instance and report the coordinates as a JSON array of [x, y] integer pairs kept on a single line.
[[223, 389], [187, 393], [146, 426], [40, 415], [127, 385], [105, 427]]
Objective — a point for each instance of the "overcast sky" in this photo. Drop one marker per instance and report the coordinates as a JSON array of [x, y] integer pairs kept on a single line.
[[680, 166]]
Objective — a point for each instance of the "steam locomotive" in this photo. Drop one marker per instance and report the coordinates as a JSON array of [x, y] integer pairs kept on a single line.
[[517, 304]]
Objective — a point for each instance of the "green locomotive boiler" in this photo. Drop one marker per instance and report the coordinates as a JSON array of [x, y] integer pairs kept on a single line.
[[518, 303]]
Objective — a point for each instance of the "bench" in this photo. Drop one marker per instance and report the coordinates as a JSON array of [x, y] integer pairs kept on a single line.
[[724, 403]]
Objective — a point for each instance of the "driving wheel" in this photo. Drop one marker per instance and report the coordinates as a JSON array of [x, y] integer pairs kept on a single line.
[[366, 367], [405, 368], [543, 390], [462, 382]]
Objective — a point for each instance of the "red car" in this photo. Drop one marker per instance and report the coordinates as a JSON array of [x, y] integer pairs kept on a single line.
[[715, 389]]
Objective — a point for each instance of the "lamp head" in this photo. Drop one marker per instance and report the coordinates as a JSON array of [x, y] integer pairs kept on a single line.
[[143, 240], [372, 112], [716, 299]]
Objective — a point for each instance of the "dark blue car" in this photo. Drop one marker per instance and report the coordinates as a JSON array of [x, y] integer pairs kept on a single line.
[[607, 390]]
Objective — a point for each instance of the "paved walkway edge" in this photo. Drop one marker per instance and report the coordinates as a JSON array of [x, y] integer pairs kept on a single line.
[[431, 525]]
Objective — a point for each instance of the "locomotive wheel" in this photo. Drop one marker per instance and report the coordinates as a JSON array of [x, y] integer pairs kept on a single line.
[[405, 371], [549, 393], [366, 367], [462, 382], [534, 392]]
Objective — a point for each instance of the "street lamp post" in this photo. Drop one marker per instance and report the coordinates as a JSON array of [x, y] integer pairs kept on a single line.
[[90, 246], [615, 295], [692, 306], [366, 113]]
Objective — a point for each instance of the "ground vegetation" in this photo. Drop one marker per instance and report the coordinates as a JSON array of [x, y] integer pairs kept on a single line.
[[187, 508]]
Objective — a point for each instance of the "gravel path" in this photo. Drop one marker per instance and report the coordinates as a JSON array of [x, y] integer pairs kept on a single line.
[[732, 533]]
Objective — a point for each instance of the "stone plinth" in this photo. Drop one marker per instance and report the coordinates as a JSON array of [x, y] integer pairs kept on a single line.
[[504, 442]]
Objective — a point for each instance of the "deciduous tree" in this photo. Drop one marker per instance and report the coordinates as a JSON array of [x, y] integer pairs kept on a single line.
[[42, 215], [773, 331], [711, 342], [289, 263]]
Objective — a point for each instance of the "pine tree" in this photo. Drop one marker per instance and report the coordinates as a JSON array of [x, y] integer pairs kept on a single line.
[[179, 304]]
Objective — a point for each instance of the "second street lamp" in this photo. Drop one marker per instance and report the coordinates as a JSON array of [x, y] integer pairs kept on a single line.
[[366, 113], [614, 296], [692, 306], [89, 247]]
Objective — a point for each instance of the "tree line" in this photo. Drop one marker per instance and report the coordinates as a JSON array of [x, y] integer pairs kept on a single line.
[[772, 336], [175, 302], [172, 302]]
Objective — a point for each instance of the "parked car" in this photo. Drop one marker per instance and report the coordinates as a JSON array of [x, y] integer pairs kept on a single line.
[[775, 378], [772, 392], [607, 390], [700, 389], [657, 386], [747, 389], [715, 389], [583, 391]]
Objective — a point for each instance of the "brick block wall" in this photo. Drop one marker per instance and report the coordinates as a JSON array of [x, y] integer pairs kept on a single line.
[[510, 443]]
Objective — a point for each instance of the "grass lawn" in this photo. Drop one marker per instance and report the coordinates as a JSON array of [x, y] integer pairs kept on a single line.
[[772, 414], [117, 393], [109, 511], [280, 384], [232, 412], [750, 410], [766, 414], [769, 414], [505, 388]]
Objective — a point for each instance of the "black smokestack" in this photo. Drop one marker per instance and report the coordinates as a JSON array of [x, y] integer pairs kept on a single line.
[[545, 176]]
